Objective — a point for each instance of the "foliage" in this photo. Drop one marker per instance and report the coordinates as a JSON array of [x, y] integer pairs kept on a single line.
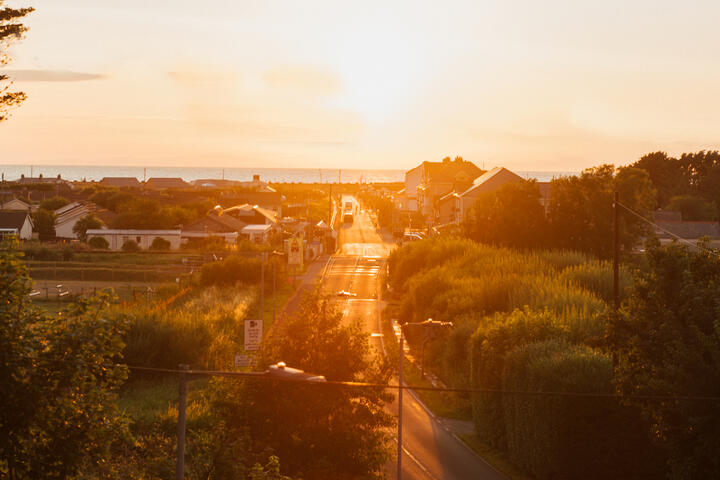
[[99, 242], [580, 210], [319, 431], [233, 269], [58, 393], [54, 203], [130, 246], [667, 339], [110, 198], [666, 173], [511, 216], [556, 436], [160, 243], [86, 223], [44, 221], [10, 30], [693, 208]]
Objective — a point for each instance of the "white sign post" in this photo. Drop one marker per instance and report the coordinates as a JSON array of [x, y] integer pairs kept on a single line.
[[242, 360], [253, 334]]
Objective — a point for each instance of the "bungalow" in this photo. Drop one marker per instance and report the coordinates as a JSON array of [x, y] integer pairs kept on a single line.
[[490, 181], [143, 238], [66, 217], [269, 200], [253, 214], [216, 222], [18, 205], [18, 224], [669, 226], [120, 182], [163, 183], [257, 233]]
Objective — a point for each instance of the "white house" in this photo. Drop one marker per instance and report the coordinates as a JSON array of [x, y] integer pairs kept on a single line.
[[257, 233], [144, 238], [66, 217], [17, 224]]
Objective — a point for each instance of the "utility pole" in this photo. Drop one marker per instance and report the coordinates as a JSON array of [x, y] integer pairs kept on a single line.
[[274, 292], [616, 255], [400, 403], [330, 208], [263, 258], [182, 408]]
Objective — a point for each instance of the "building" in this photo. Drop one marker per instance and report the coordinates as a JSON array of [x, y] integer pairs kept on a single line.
[[216, 222], [669, 226], [120, 182], [18, 224], [229, 237], [66, 217], [268, 200], [16, 204], [143, 238], [490, 181], [437, 179], [163, 183], [255, 185], [253, 214], [257, 233]]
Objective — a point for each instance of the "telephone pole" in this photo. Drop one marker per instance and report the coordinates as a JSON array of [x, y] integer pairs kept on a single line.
[[616, 255], [182, 409]]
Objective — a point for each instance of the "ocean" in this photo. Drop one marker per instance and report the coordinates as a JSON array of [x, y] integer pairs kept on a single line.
[[272, 175]]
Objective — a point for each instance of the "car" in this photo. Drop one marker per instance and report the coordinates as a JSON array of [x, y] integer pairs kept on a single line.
[[343, 293], [412, 237]]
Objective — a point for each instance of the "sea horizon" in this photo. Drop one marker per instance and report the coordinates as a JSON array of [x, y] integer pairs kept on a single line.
[[271, 175]]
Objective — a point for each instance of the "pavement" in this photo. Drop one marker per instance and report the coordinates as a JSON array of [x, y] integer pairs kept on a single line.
[[431, 447]]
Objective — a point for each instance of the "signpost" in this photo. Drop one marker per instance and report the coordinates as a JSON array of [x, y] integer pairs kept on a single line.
[[244, 360], [253, 334]]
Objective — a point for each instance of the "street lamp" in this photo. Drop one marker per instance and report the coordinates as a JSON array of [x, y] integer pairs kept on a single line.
[[429, 324]]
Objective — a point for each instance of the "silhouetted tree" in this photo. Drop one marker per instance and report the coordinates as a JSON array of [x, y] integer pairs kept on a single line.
[[10, 30]]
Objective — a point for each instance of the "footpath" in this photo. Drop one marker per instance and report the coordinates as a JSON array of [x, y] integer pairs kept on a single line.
[[306, 283]]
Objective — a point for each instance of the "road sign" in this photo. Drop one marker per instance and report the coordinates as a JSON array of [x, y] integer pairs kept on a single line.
[[242, 360], [295, 251], [253, 334]]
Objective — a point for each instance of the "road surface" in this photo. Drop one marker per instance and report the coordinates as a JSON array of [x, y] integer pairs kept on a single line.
[[430, 451]]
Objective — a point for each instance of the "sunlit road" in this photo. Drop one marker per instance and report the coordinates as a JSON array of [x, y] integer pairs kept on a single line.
[[430, 452]]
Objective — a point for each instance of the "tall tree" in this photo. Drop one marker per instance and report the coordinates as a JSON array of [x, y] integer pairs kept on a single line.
[[667, 339], [668, 175], [10, 30]]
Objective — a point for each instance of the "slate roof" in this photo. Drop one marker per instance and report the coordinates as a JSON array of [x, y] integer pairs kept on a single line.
[[166, 182], [688, 230], [13, 219], [489, 176], [120, 182]]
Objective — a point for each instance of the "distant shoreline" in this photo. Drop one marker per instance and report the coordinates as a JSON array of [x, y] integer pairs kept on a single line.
[[272, 175]]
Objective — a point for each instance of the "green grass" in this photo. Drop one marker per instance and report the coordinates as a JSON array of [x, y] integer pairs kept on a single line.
[[495, 458]]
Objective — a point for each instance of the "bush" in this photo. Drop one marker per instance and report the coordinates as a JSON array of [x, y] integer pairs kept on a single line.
[[234, 269], [130, 246], [160, 243], [555, 436], [99, 243]]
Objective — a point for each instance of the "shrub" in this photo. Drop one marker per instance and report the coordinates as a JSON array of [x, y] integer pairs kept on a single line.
[[160, 243], [234, 269], [130, 246], [99, 243]]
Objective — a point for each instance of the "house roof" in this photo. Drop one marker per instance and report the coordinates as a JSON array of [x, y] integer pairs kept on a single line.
[[492, 180], [216, 223], [13, 220], [166, 182], [449, 196], [17, 204], [120, 182], [107, 231], [448, 171], [256, 229], [687, 230]]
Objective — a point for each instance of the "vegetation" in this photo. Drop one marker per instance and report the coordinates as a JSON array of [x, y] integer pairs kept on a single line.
[[53, 203], [99, 243], [160, 243], [86, 223], [532, 321], [59, 409], [10, 30], [130, 246], [667, 342], [44, 221]]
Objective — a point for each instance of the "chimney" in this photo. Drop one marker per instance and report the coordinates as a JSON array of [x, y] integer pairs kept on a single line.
[[256, 178], [40, 176]]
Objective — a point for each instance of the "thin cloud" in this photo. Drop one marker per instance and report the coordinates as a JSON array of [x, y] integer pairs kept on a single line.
[[50, 76]]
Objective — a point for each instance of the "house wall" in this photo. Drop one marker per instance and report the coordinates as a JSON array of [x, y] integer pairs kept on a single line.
[[116, 240], [491, 185], [26, 230], [413, 178]]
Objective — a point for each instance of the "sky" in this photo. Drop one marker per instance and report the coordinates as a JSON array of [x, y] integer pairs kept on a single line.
[[532, 86]]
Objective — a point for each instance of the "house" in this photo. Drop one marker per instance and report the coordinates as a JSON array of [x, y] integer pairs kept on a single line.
[[448, 208], [18, 205], [57, 181], [163, 183], [255, 185], [253, 214], [257, 233], [669, 226], [265, 199], [216, 222], [490, 181], [18, 224], [144, 238], [229, 237], [440, 178], [120, 182], [66, 217]]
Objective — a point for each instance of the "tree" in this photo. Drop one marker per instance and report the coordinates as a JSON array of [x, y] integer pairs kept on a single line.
[[580, 210], [318, 431], [58, 393], [667, 341], [130, 246], [86, 223], [667, 174], [10, 30], [99, 242], [160, 243], [54, 203], [44, 224], [509, 217], [693, 208]]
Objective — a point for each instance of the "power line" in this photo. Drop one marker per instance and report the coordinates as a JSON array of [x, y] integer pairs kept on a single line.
[[351, 384]]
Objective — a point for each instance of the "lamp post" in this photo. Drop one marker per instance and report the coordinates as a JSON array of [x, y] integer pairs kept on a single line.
[[427, 324]]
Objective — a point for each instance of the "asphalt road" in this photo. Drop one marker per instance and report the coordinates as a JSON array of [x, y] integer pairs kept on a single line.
[[430, 451]]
